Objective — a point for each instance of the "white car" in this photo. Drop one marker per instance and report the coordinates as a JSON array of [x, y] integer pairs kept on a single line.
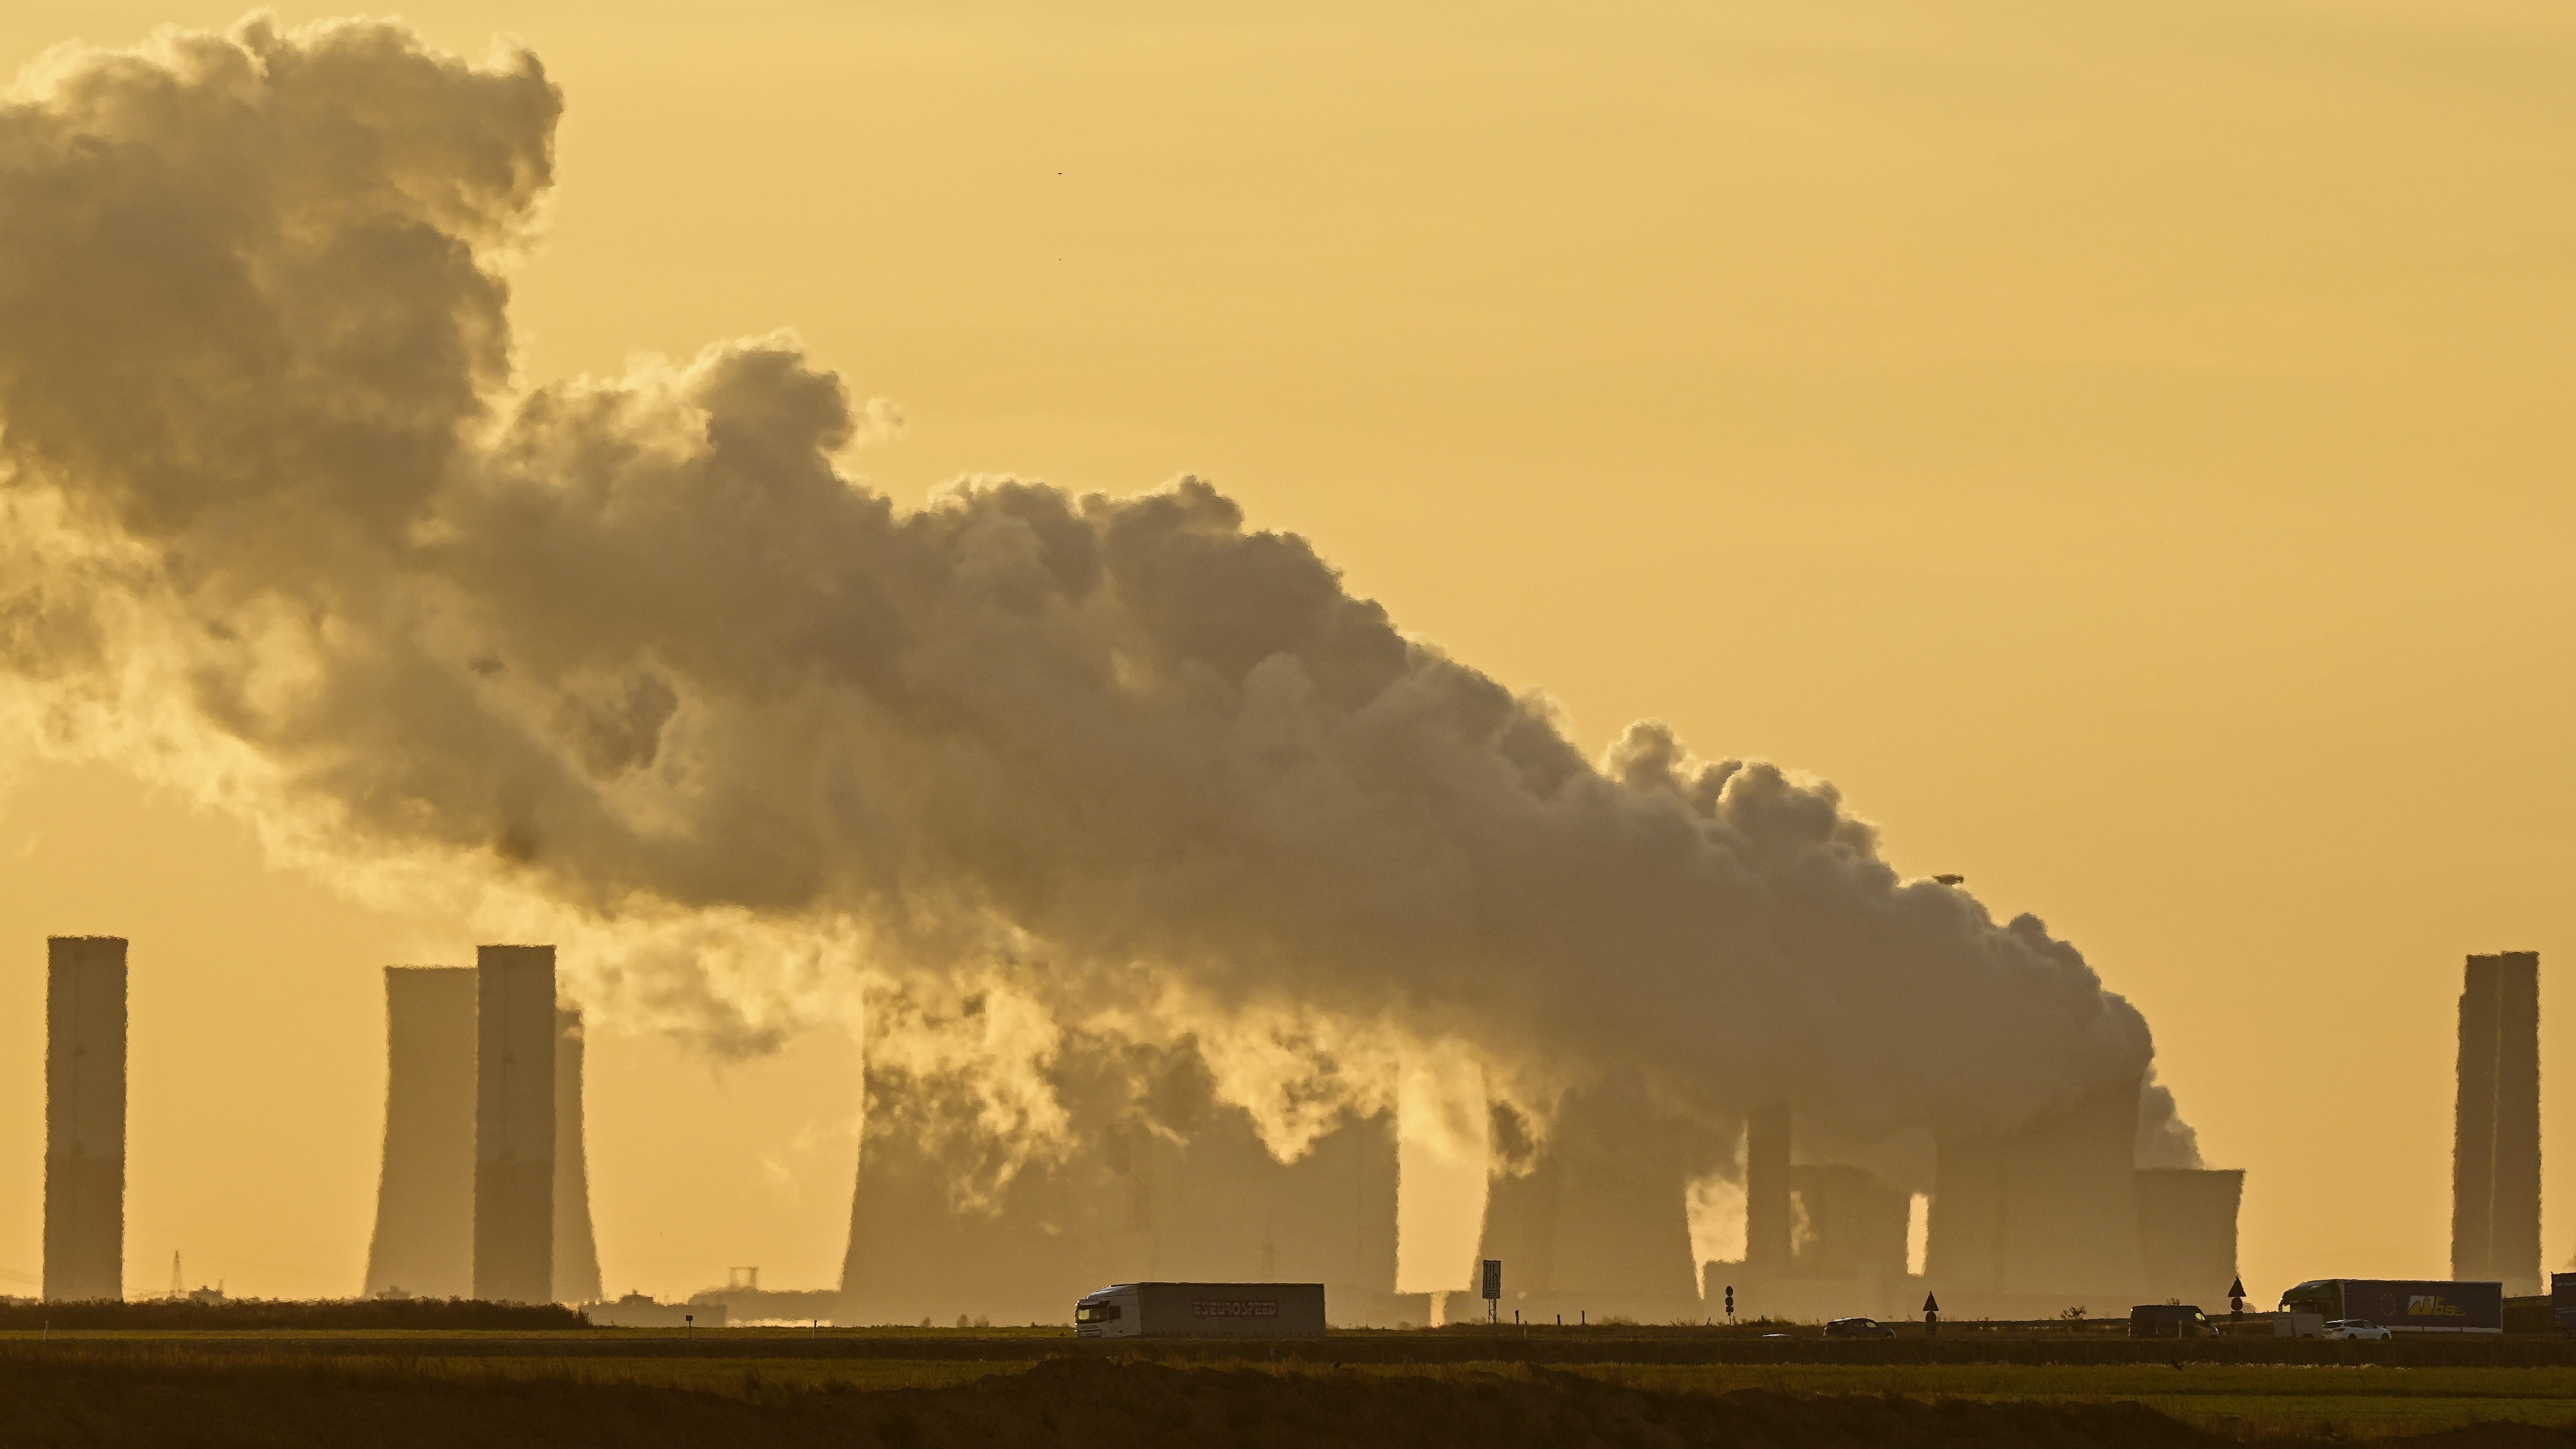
[[2356, 1328]]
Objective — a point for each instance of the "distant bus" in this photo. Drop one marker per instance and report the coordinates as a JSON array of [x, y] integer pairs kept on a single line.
[[2408, 1305], [1202, 1310]]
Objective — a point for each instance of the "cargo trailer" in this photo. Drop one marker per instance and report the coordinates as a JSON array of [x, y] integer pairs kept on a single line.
[[1202, 1310], [2409, 1305]]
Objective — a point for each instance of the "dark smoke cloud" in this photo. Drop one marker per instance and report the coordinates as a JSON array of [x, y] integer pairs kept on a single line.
[[642, 650]]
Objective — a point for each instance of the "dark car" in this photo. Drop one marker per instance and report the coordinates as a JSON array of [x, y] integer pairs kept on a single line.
[[1858, 1328]]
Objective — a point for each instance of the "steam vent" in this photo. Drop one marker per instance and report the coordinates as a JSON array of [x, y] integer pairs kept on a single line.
[[2495, 1162], [84, 1117]]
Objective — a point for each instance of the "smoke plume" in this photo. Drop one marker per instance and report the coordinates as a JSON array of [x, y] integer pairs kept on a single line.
[[282, 525]]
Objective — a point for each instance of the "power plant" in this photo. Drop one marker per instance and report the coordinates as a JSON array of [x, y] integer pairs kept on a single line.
[[484, 1189]]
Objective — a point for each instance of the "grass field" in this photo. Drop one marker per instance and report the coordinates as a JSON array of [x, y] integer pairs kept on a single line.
[[2233, 1401]]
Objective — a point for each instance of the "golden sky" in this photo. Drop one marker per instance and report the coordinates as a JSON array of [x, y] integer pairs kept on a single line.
[[2127, 447]]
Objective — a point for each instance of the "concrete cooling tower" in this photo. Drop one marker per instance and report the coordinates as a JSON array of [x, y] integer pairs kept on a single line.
[[1169, 1186], [514, 1124], [2187, 1228], [1594, 1220], [576, 1248], [84, 1118], [2495, 1165], [2047, 1213], [424, 1239]]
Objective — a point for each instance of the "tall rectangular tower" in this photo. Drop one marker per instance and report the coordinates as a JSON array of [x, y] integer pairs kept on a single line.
[[514, 1124], [84, 1117], [424, 1239], [2495, 1162], [1769, 1220]]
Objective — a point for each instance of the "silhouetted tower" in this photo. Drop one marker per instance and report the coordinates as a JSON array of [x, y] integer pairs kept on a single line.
[[576, 1267], [1768, 1220], [84, 1117], [2495, 1162], [424, 1239], [514, 1124]]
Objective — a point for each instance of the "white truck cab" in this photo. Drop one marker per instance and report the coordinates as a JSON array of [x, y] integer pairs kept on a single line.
[[1113, 1312]]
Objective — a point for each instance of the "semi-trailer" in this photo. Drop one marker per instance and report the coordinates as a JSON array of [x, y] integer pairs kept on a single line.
[[1202, 1310], [2408, 1305]]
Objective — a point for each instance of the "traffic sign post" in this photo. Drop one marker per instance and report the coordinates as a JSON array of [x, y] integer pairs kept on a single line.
[[1931, 1316]]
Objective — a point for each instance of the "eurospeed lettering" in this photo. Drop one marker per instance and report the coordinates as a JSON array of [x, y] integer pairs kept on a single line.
[[1234, 1308]]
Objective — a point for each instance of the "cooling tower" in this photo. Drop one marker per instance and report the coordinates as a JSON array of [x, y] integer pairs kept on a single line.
[[424, 1239], [514, 1124], [2048, 1212], [1155, 1179], [1853, 1224], [1769, 1224], [1597, 1217], [2495, 1164], [1059, 1227], [2187, 1229], [1225, 1210], [576, 1266], [84, 1117]]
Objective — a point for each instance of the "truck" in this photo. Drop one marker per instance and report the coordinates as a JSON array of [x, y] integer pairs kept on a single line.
[[2408, 1305], [1201, 1310]]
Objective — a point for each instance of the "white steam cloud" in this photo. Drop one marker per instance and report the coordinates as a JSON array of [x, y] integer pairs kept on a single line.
[[638, 656]]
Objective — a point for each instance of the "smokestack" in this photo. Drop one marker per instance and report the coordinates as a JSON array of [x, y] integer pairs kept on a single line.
[[514, 1124], [84, 1117], [424, 1238], [576, 1249], [2495, 1163], [1769, 1222]]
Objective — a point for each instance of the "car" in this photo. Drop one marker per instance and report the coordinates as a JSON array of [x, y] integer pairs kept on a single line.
[[1858, 1328], [2354, 1329]]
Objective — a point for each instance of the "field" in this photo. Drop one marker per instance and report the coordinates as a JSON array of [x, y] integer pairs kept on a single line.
[[914, 1389], [928, 1388]]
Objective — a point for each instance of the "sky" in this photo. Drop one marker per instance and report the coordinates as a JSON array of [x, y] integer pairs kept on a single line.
[[2124, 447]]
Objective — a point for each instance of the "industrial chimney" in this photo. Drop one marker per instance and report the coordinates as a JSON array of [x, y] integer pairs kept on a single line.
[[84, 1117], [2495, 1160]]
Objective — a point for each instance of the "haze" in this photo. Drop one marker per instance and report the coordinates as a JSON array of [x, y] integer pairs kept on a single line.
[[2116, 449]]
